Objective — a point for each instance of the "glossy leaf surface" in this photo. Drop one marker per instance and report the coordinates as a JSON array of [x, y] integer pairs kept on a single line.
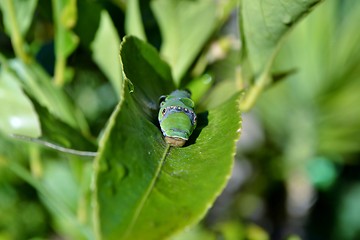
[[145, 189], [18, 115]]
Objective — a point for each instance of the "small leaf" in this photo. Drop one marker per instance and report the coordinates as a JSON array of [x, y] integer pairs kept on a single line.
[[105, 51], [133, 22], [24, 12], [142, 65], [58, 132], [199, 86], [18, 115], [38, 85], [264, 25], [145, 189], [65, 17], [185, 27]]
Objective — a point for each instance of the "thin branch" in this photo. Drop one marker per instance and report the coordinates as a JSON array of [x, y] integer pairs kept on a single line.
[[16, 38]]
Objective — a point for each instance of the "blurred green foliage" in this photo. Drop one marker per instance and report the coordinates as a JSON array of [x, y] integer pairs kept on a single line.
[[296, 170], [311, 121]]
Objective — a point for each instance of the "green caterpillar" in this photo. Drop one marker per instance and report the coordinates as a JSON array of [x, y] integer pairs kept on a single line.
[[176, 117]]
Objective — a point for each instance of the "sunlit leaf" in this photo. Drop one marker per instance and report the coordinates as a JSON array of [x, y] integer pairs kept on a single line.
[[255, 232], [264, 25], [57, 132], [199, 86], [105, 49], [182, 43], [133, 22], [195, 233], [18, 115]]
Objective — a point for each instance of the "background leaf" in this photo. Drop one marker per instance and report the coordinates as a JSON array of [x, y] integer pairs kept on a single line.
[[133, 21], [105, 48], [264, 24], [323, 90], [58, 132], [182, 44], [65, 196], [17, 16], [297, 164], [37, 84], [18, 115], [23, 14], [65, 17], [60, 191], [153, 71], [154, 208]]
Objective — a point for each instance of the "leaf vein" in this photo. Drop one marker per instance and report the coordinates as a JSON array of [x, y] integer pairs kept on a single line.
[[147, 192]]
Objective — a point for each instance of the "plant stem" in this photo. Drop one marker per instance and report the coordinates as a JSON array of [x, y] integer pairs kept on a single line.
[[254, 92], [59, 75], [16, 38]]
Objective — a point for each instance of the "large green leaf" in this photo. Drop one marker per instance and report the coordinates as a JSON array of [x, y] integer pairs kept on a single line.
[[264, 24], [145, 189], [185, 27]]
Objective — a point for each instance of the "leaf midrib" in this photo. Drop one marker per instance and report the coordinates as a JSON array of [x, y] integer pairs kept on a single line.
[[147, 193]]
